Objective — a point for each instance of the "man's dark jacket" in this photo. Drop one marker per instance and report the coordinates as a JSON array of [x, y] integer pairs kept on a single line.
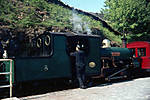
[[80, 57]]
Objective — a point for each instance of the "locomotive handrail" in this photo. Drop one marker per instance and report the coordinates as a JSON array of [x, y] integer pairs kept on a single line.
[[4, 86], [4, 73], [5, 59], [8, 73]]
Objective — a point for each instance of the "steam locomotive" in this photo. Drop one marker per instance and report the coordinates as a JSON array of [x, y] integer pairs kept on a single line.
[[48, 57]]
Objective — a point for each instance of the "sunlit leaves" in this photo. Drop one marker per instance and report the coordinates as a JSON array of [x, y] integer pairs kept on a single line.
[[129, 16]]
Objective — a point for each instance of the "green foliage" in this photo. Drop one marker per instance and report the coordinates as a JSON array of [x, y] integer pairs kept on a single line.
[[40, 13], [111, 36], [26, 13], [129, 16]]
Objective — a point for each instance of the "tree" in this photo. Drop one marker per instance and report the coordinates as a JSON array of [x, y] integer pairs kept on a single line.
[[129, 16]]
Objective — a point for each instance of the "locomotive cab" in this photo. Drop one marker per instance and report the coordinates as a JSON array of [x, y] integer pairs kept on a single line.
[[90, 45]]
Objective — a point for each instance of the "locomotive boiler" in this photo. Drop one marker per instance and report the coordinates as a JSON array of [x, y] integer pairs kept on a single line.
[[116, 62]]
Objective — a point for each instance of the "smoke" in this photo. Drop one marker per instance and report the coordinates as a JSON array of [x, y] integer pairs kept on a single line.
[[86, 28], [77, 22], [79, 26]]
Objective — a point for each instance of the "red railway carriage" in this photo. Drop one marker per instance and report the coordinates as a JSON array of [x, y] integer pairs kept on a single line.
[[141, 49]]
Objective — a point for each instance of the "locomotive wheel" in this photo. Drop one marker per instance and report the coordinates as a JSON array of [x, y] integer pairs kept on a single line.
[[128, 74]]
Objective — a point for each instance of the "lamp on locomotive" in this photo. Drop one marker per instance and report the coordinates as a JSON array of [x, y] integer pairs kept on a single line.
[[106, 43]]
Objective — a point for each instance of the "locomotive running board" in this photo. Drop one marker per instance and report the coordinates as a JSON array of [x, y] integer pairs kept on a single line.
[[117, 77]]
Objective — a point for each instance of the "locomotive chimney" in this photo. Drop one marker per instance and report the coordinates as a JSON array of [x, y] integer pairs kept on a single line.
[[124, 41]]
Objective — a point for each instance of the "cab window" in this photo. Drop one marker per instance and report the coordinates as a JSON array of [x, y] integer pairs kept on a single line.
[[133, 51], [141, 52]]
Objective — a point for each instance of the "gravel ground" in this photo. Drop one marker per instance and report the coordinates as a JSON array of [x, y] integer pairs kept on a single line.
[[138, 89]]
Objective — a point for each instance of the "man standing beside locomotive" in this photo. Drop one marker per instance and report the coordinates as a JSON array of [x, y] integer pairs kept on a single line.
[[80, 66]]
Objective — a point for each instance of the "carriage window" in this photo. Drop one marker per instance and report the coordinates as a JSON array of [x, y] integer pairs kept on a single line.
[[141, 52], [39, 47], [42, 46]]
